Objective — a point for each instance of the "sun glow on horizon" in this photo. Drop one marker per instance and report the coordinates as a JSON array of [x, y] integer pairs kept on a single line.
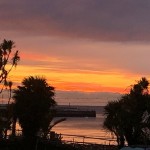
[[76, 80]]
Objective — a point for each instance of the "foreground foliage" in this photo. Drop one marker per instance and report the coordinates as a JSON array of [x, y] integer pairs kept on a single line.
[[40, 144], [129, 117], [19, 144]]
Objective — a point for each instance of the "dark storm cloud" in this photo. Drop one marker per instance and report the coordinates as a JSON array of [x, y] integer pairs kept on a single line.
[[106, 20]]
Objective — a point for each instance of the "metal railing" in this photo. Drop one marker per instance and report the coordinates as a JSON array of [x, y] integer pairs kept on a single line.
[[77, 139], [82, 139]]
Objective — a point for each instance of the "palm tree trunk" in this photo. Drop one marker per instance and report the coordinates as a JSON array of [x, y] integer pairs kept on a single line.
[[14, 126]]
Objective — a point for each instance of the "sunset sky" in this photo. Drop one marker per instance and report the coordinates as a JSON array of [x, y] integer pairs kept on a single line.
[[100, 46]]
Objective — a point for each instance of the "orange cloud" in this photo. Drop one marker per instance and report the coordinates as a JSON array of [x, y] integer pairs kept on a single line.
[[77, 80], [86, 87]]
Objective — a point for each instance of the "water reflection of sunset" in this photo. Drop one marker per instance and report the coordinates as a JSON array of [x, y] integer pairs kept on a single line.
[[75, 130]]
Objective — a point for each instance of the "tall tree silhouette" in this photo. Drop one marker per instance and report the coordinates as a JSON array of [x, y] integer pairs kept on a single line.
[[7, 60], [33, 100], [114, 122], [128, 118]]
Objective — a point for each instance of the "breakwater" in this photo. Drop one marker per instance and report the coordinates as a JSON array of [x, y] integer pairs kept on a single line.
[[74, 111], [69, 111]]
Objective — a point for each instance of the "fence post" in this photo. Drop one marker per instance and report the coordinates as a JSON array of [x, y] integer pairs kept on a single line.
[[83, 140]]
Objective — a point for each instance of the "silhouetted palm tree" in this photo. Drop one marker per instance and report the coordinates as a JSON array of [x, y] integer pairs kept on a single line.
[[113, 121], [128, 117], [33, 101]]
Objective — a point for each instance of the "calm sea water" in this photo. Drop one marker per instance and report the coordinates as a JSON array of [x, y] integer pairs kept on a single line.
[[84, 129], [88, 129]]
